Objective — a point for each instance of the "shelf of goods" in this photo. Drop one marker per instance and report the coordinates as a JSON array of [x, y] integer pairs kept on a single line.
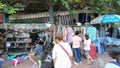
[[17, 44]]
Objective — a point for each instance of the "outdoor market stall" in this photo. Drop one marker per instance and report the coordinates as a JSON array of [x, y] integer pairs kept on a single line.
[[17, 38], [110, 37]]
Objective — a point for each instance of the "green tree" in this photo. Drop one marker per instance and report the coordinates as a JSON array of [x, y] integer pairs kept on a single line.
[[6, 8], [105, 6]]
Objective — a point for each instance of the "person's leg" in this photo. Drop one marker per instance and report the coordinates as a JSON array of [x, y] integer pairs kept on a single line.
[[75, 55], [90, 58], [31, 59], [79, 54], [87, 56]]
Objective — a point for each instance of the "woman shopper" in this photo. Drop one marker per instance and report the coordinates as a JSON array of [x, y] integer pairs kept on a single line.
[[61, 53], [76, 42]]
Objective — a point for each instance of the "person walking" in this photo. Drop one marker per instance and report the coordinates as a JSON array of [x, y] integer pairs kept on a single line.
[[62, 53], [76, 42], [87, 43]]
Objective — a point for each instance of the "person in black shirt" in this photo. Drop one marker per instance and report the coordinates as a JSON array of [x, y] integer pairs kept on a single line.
[[33, 37]]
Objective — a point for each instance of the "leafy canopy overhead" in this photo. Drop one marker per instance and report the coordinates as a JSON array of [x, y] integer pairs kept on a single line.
[[99, 6], [6, 8], [105, 6], [66, 4]]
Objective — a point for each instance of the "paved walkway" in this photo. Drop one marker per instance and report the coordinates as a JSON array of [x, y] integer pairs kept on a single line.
[[98, 63]]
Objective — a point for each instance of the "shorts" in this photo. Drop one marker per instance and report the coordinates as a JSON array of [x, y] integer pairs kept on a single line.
[[86, 53]]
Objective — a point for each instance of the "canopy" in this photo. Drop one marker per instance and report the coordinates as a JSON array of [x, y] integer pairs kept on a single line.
[[107, 18]]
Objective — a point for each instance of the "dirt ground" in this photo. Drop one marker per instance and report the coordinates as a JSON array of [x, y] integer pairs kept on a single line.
[[98, 63]]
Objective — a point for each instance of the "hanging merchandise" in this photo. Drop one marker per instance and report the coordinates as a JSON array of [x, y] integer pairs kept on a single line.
[[70, 33], [115, 32], [102, 31], [59, 30], [91, 31]]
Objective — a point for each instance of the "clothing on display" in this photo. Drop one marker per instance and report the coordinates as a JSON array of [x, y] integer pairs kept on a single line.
[[99, 46], [115, 32], [70, 33], [93, 51], [91, 31], [102, 32]]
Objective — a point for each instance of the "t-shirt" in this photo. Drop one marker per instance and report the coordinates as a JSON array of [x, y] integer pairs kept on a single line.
[[62, 59], [87, 44], [38, 50], [33, 37], [76, 40]]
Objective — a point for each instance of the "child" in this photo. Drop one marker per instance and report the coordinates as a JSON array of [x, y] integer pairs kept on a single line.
[[36, 52], [87, 43]]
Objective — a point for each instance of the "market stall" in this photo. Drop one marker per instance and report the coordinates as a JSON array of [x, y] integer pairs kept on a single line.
[[17, 38], [108, 34]]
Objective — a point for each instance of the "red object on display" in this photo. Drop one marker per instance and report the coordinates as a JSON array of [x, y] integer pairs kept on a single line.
[[92, 51], [1, 18]]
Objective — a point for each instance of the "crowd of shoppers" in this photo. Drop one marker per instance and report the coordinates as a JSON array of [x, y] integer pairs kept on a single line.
[[61, 53]]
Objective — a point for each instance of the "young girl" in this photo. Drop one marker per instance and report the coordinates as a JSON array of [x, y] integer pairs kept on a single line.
[[87, 43]]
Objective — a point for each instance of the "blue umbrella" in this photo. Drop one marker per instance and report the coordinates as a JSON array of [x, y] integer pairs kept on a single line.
[[107, 18]]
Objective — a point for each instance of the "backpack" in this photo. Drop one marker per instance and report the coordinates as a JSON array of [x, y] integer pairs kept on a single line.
[[116, 63], [47, 61]]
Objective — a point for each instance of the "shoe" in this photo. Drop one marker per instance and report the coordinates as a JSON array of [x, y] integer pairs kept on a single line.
[[76, 63], [34, 65], [39, 63], [80, 62], [93, 60]]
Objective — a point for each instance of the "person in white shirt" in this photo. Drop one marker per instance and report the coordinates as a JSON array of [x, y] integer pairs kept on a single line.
[[76, 42], [61, 53], [87, 43]]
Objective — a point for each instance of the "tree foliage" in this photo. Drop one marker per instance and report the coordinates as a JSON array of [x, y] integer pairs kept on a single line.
[[66, 4], [105, 6], [7, 8], [99, 6]]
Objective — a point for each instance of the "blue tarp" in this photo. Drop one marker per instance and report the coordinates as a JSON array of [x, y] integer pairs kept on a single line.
[[101, 43]]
